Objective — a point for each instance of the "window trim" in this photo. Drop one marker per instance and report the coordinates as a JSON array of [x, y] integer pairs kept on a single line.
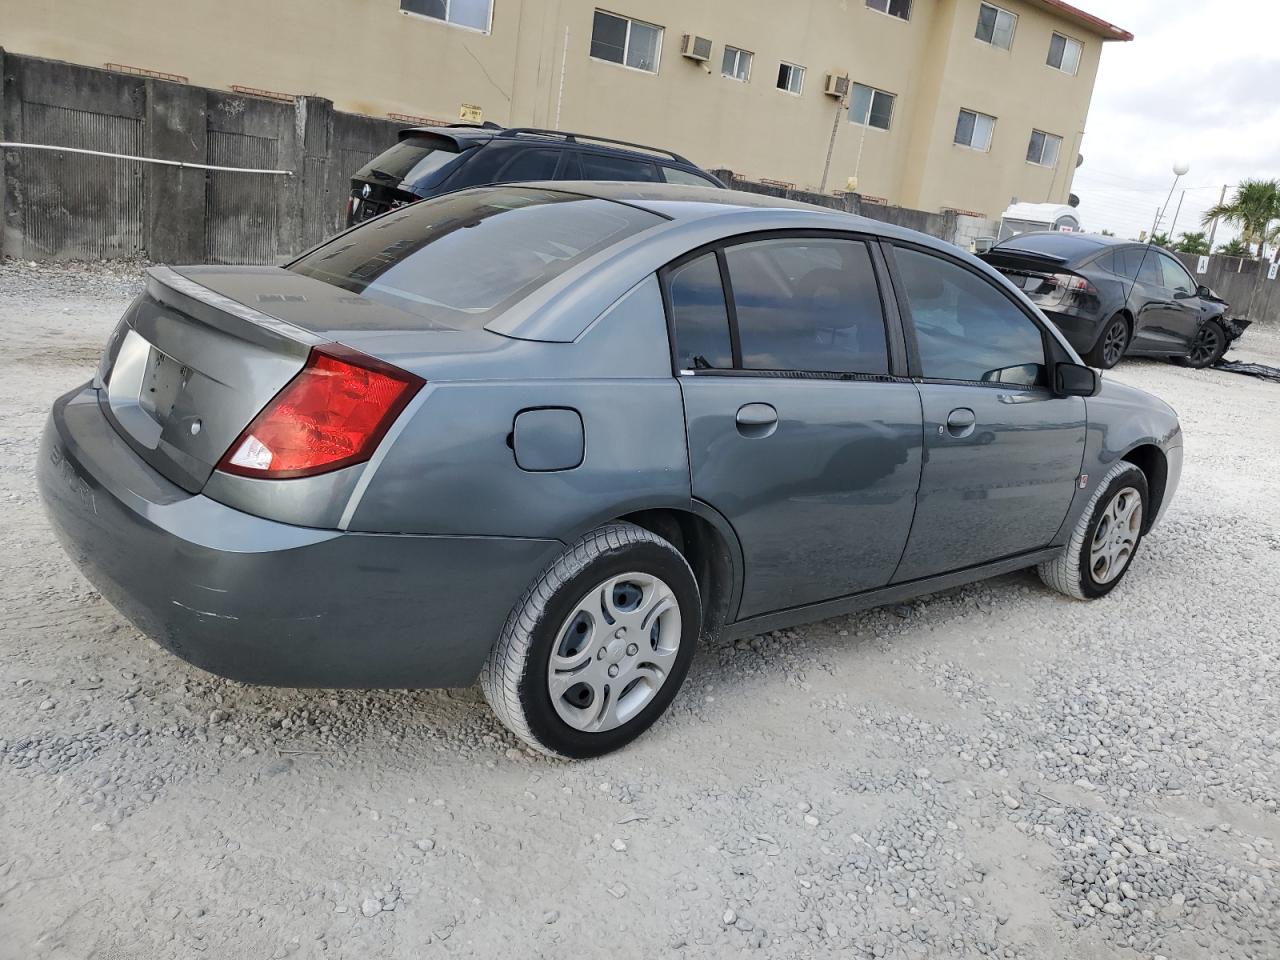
[[870, 106], [488, 28], [893, 16], [1053, 351], [794, 66], [583, 154], [999, 10], [626, 42], [737, 61], [896, 349], [1069, 39], [969, 145], [1046, 134]]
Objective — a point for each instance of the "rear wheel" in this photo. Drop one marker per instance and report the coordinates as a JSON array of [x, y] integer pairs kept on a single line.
[[1111, 345], [1208, 347], [598, 646]]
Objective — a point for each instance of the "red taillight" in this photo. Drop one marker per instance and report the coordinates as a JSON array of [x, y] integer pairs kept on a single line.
[[1069, 281], [331, 415]]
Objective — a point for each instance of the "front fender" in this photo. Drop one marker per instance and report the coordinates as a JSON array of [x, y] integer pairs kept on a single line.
[[1125, 423]]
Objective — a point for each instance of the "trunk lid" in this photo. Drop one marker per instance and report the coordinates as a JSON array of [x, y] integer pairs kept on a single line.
[[203, 349], [1043, 277]]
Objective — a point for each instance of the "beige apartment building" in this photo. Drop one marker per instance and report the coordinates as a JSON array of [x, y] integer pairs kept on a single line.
[[949, 104]]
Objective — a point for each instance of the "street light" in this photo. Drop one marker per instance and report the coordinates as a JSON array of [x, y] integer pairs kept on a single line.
[[1180, 169]]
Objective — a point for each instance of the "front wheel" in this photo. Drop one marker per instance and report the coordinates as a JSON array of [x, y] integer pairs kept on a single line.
[[1208, 347], [1105, 538], [598, 646], [1111, 345]]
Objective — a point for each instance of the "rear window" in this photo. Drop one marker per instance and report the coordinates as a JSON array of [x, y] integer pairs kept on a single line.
[[460, 260], [414, 162]]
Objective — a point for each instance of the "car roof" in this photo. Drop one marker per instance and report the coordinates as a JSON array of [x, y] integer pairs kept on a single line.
[[464, 133], [692, 217], [1059, 243]]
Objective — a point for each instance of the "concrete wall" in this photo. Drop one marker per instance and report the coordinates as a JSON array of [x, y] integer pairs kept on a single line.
[[70, 206], [533, 66], [1242, 283], [959, 229]]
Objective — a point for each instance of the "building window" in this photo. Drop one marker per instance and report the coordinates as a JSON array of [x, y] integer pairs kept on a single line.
[[1064, 53], [894, 8], [870, 106], [995, 26], [632, 43], [736, 64], [1043, 148], [790, 78], [974, 130], [473, 14]]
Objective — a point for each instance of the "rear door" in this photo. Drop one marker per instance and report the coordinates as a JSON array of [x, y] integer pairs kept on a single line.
[[1002, 454], [801, 432]]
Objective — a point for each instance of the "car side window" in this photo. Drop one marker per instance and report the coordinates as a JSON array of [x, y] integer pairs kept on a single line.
[[676, 175], [965, 328], [698, 315], [1176, 277], [807, 304], [599, 166], [1148, 263], [530, 165]]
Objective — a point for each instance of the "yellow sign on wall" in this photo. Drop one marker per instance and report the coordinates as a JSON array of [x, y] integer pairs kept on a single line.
[[470, 113]]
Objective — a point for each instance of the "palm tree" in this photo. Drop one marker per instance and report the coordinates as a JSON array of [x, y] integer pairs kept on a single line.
[[1234, 248], [1254, 208], [1160, 240], [1192, 243]]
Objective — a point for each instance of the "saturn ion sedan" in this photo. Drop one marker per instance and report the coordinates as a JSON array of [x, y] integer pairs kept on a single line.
[[552, 436]]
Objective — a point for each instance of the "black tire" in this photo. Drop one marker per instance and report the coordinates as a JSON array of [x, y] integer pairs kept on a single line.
[[1073, 572], [515, 677], [1113, 341], [1208, 347]]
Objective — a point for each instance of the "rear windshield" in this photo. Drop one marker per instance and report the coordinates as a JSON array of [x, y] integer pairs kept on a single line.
[[413, 162], [460, 260]]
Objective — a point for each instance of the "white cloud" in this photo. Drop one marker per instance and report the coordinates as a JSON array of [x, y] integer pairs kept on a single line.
[[1200, 82]]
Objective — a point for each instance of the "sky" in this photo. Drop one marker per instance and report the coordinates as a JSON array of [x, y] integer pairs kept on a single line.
[[1200, 83]]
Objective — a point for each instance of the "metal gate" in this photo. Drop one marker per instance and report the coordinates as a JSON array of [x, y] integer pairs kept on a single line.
[[77, 206], [242, 209]]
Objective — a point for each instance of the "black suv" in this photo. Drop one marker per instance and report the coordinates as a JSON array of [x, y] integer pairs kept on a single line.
[[429, 161]]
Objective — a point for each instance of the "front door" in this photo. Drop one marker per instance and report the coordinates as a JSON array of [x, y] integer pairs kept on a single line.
[[797, 433], [1002, 453], [1163, 301]]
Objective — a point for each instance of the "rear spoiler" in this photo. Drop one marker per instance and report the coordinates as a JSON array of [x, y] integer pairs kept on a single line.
[[1014, 259]]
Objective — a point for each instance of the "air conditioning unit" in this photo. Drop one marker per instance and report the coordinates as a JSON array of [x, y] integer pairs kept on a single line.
[[837, 85], [695, 48]]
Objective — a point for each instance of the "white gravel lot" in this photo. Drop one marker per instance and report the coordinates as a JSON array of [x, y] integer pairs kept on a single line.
[[995, 770]]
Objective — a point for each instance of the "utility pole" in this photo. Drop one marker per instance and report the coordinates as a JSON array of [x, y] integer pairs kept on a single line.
[[1213, 227], [831, 144]]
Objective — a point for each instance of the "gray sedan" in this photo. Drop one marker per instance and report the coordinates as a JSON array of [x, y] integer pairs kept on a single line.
[[551, 436]]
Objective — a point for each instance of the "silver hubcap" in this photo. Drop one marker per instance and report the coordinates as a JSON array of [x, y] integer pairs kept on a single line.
[[614, 652], [1117, 536]]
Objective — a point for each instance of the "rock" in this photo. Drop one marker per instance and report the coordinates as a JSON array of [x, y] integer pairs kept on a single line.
[[620, 845], [47, 704], [371, 907], [551, 916], [730, 917], [217, 716], [618, 891], [426, 845], [1113, 909], [810, 820], [1011, 802]]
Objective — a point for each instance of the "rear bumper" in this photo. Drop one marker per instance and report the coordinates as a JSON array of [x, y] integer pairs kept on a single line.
[[265, 602], [1082, 332]]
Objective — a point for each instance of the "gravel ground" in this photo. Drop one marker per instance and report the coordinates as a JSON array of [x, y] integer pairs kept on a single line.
[[995, 770]]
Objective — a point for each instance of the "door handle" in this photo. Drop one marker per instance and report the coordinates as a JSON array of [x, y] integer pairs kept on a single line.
[[756, 420], [960, 422]]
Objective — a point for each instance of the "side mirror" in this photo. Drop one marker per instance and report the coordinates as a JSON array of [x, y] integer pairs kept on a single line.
[[1182, 293], [1203, 291], [1075, 380]]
